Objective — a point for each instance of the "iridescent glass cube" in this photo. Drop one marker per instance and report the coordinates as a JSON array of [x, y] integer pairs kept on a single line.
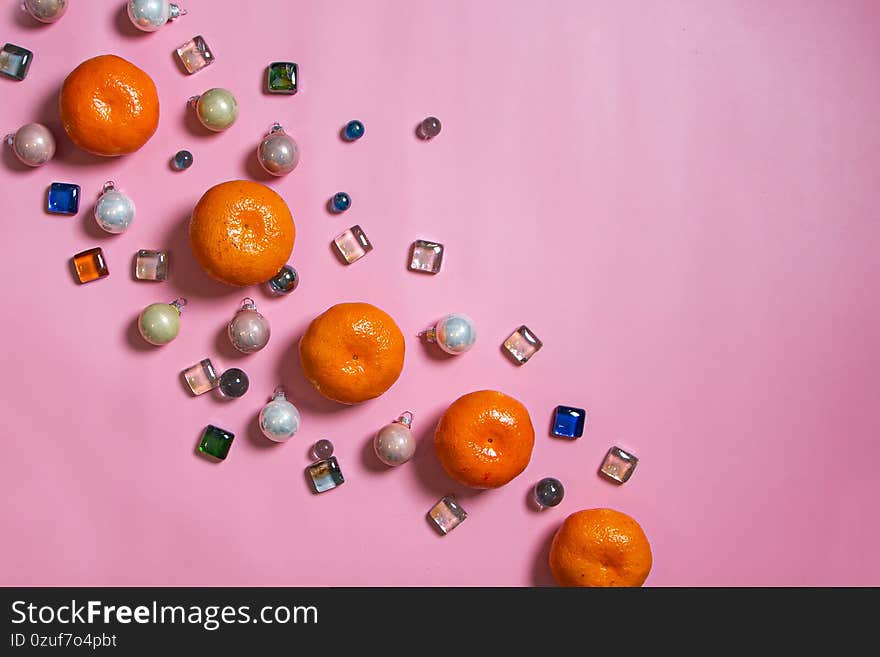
[[216, 442], [353, 244], [15, 61], [326, 474], [568, 422], [426, 256], [195, 55], [447, 514], [201, 377], [282, 78], [90, 265], [63, 198], [522, 344], [618, 465], [151, 265]]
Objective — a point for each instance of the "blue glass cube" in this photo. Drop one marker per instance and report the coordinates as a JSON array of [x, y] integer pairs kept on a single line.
[[568, 422], [63, 198], [15, 61]]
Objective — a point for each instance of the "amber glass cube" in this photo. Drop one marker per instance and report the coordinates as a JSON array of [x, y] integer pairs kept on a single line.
[[90, 265]]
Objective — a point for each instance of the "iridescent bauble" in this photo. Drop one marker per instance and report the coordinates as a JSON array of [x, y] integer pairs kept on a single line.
[[216, 109], [454, 334], [278, 153], [114, 211], [279, 419], [33, 144], [395, 444], [45, 11], [159, 323], [150, 15], [249, 330]]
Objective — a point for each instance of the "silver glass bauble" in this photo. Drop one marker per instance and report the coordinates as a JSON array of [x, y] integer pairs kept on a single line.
[[249, 330], [45, 11], [150, 15], [279, 419], [454, 334], [278, 153], [394, 443], [114, 210], [33, 144]]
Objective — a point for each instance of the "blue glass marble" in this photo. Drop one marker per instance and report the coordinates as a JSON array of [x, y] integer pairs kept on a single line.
[[63, 198], [182, 160], [15, 61], [354, 130], [341, 202], [549, 492], [285, 281], [568, 422]]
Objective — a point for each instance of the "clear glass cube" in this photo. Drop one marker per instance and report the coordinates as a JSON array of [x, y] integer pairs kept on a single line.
[[195, 55], [326, 474], [353, 244], [90, 265], [151, 265], [447, 514], [201, 377], [522, 344], [618, 465], [15, 61], [426, 256]]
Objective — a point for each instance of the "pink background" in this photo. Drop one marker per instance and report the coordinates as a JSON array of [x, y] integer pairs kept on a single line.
[[679, 198]]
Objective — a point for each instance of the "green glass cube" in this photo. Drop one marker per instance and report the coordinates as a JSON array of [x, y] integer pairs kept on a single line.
[[282, 78], [216, 441]]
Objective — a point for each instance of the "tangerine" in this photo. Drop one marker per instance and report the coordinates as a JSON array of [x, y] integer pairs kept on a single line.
[[109, 106], [352, 352], [241, 232], [484, 439], [600, 547]]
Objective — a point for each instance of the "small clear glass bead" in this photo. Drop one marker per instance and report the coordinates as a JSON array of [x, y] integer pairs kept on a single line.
[[323, 449], [234, 383], [549, 492], [429, 128]]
